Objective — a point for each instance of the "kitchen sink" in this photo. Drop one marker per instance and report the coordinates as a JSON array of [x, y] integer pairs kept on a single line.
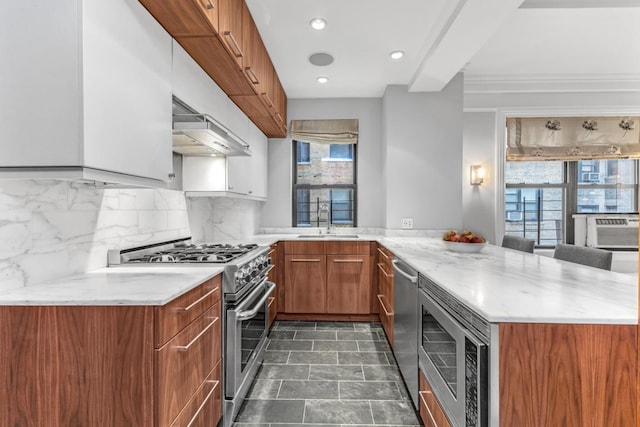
[[324, 236]]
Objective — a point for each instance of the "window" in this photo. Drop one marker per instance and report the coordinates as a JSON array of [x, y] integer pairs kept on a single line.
[[341, 151], [303, 152], [541, 197], [324, 191]]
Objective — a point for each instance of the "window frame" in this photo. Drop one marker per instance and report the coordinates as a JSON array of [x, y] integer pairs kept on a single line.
[[295, 186]]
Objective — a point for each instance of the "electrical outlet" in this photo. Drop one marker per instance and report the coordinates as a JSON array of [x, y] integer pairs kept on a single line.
[[407, 223]]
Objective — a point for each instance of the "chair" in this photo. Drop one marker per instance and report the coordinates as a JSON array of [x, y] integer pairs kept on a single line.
[[518, 243], [593, 257]]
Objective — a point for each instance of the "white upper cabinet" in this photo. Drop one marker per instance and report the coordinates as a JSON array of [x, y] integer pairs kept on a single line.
[[195, 88], [88, 89]]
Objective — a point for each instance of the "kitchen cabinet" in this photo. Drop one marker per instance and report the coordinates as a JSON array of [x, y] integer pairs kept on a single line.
[[185, 18], [114, 365], [431, 412], [96, 86], [305, 277], [348, 278], [327, 277], [385, 291], [234, 176], [274, 277], [232, 54], [196, 89], [230, 23]]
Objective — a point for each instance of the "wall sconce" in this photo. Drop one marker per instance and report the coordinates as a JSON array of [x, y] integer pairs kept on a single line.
[[477, 175]]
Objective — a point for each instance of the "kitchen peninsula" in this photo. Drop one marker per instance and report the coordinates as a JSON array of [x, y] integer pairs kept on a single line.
[[563, 347]]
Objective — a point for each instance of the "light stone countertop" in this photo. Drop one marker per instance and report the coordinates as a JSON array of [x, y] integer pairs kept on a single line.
[[501, 285], [114, 286], [504, 285]]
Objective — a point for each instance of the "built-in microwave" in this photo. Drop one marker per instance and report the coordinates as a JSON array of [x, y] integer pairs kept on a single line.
[[453, 353]]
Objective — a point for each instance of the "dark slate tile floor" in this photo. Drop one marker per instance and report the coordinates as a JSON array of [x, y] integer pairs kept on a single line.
[[327, 374]]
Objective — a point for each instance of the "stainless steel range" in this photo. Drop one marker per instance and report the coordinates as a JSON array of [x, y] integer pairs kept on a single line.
[[245, 293]]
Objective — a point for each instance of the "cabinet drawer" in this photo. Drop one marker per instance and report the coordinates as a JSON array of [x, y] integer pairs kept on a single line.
[[347, 248], [172, 317], [304, 248], [184, 363], [205, 407], [430, 410], [385, 256], [386, 317]]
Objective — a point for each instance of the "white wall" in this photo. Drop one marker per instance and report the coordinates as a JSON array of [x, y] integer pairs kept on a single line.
[[423, 164], [479, 147], [277, 210]]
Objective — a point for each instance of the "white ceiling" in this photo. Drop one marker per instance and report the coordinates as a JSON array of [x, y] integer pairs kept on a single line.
[[596, 42]]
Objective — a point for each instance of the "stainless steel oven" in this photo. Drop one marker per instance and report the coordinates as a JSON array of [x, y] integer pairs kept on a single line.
[[246, 333], [453, 353]]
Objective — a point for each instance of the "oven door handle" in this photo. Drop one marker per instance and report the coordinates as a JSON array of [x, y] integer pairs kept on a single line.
[[253, 311]]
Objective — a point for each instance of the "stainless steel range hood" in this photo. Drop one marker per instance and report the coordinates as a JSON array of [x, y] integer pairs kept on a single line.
[[197, 134]]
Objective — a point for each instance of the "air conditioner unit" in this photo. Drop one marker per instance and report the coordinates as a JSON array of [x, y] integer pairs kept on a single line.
[[590, 177], [612, 232], [514, 216]]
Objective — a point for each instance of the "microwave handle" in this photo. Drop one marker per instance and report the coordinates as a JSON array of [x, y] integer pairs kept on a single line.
[[253, 311], [412, 279]]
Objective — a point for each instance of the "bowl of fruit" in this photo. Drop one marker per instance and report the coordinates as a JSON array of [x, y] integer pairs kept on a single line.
[[465, 241]]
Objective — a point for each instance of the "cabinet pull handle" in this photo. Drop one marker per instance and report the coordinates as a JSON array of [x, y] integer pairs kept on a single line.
[[271, 300], [204, 402], [267, 99], [252, 76], [383, 306], [208, 4], [271, 251], [197, 337], [198, 301], [305, 260], [424, 401], [234, 44], [279, 117], [381, 267], [382, 253], [348, 260]]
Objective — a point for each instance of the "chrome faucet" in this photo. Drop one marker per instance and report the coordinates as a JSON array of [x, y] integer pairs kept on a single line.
[[324, 207]]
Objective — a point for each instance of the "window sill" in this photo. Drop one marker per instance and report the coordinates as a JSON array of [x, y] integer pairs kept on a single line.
[[331, 159]]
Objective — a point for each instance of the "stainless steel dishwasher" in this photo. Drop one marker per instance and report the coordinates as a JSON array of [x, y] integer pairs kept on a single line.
[[405, 348]]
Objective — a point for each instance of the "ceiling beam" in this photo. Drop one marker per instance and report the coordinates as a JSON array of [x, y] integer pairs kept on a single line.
[[466, 26]]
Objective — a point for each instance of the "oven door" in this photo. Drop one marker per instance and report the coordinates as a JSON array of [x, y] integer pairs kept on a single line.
[[246, 332], [455, 364]]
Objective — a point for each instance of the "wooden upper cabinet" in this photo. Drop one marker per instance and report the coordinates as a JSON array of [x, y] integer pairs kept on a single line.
[[230, 29], [280, 109], [257, 65], [185, 18]]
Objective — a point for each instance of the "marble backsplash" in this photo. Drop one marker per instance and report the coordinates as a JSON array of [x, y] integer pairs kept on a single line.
[[51, 229]]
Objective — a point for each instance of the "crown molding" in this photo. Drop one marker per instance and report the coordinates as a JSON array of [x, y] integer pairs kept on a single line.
[[552, 83]]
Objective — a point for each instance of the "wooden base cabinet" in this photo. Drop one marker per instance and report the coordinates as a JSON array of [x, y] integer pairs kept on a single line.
[[328, 277], [430, 410], [385, 291], [113, 365], [306, 283]]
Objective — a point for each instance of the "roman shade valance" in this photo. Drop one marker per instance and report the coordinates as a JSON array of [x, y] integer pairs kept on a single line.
[[572, 138], [339, 131]]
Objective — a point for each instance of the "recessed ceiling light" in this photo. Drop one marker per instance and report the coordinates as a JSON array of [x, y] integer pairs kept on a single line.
[[322, 80], [396, 54], [318, 23]]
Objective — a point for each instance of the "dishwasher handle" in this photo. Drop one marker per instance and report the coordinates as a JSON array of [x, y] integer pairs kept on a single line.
[[412, 279]]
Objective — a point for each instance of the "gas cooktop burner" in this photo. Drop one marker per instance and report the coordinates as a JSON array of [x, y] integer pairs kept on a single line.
[[212, 253]]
